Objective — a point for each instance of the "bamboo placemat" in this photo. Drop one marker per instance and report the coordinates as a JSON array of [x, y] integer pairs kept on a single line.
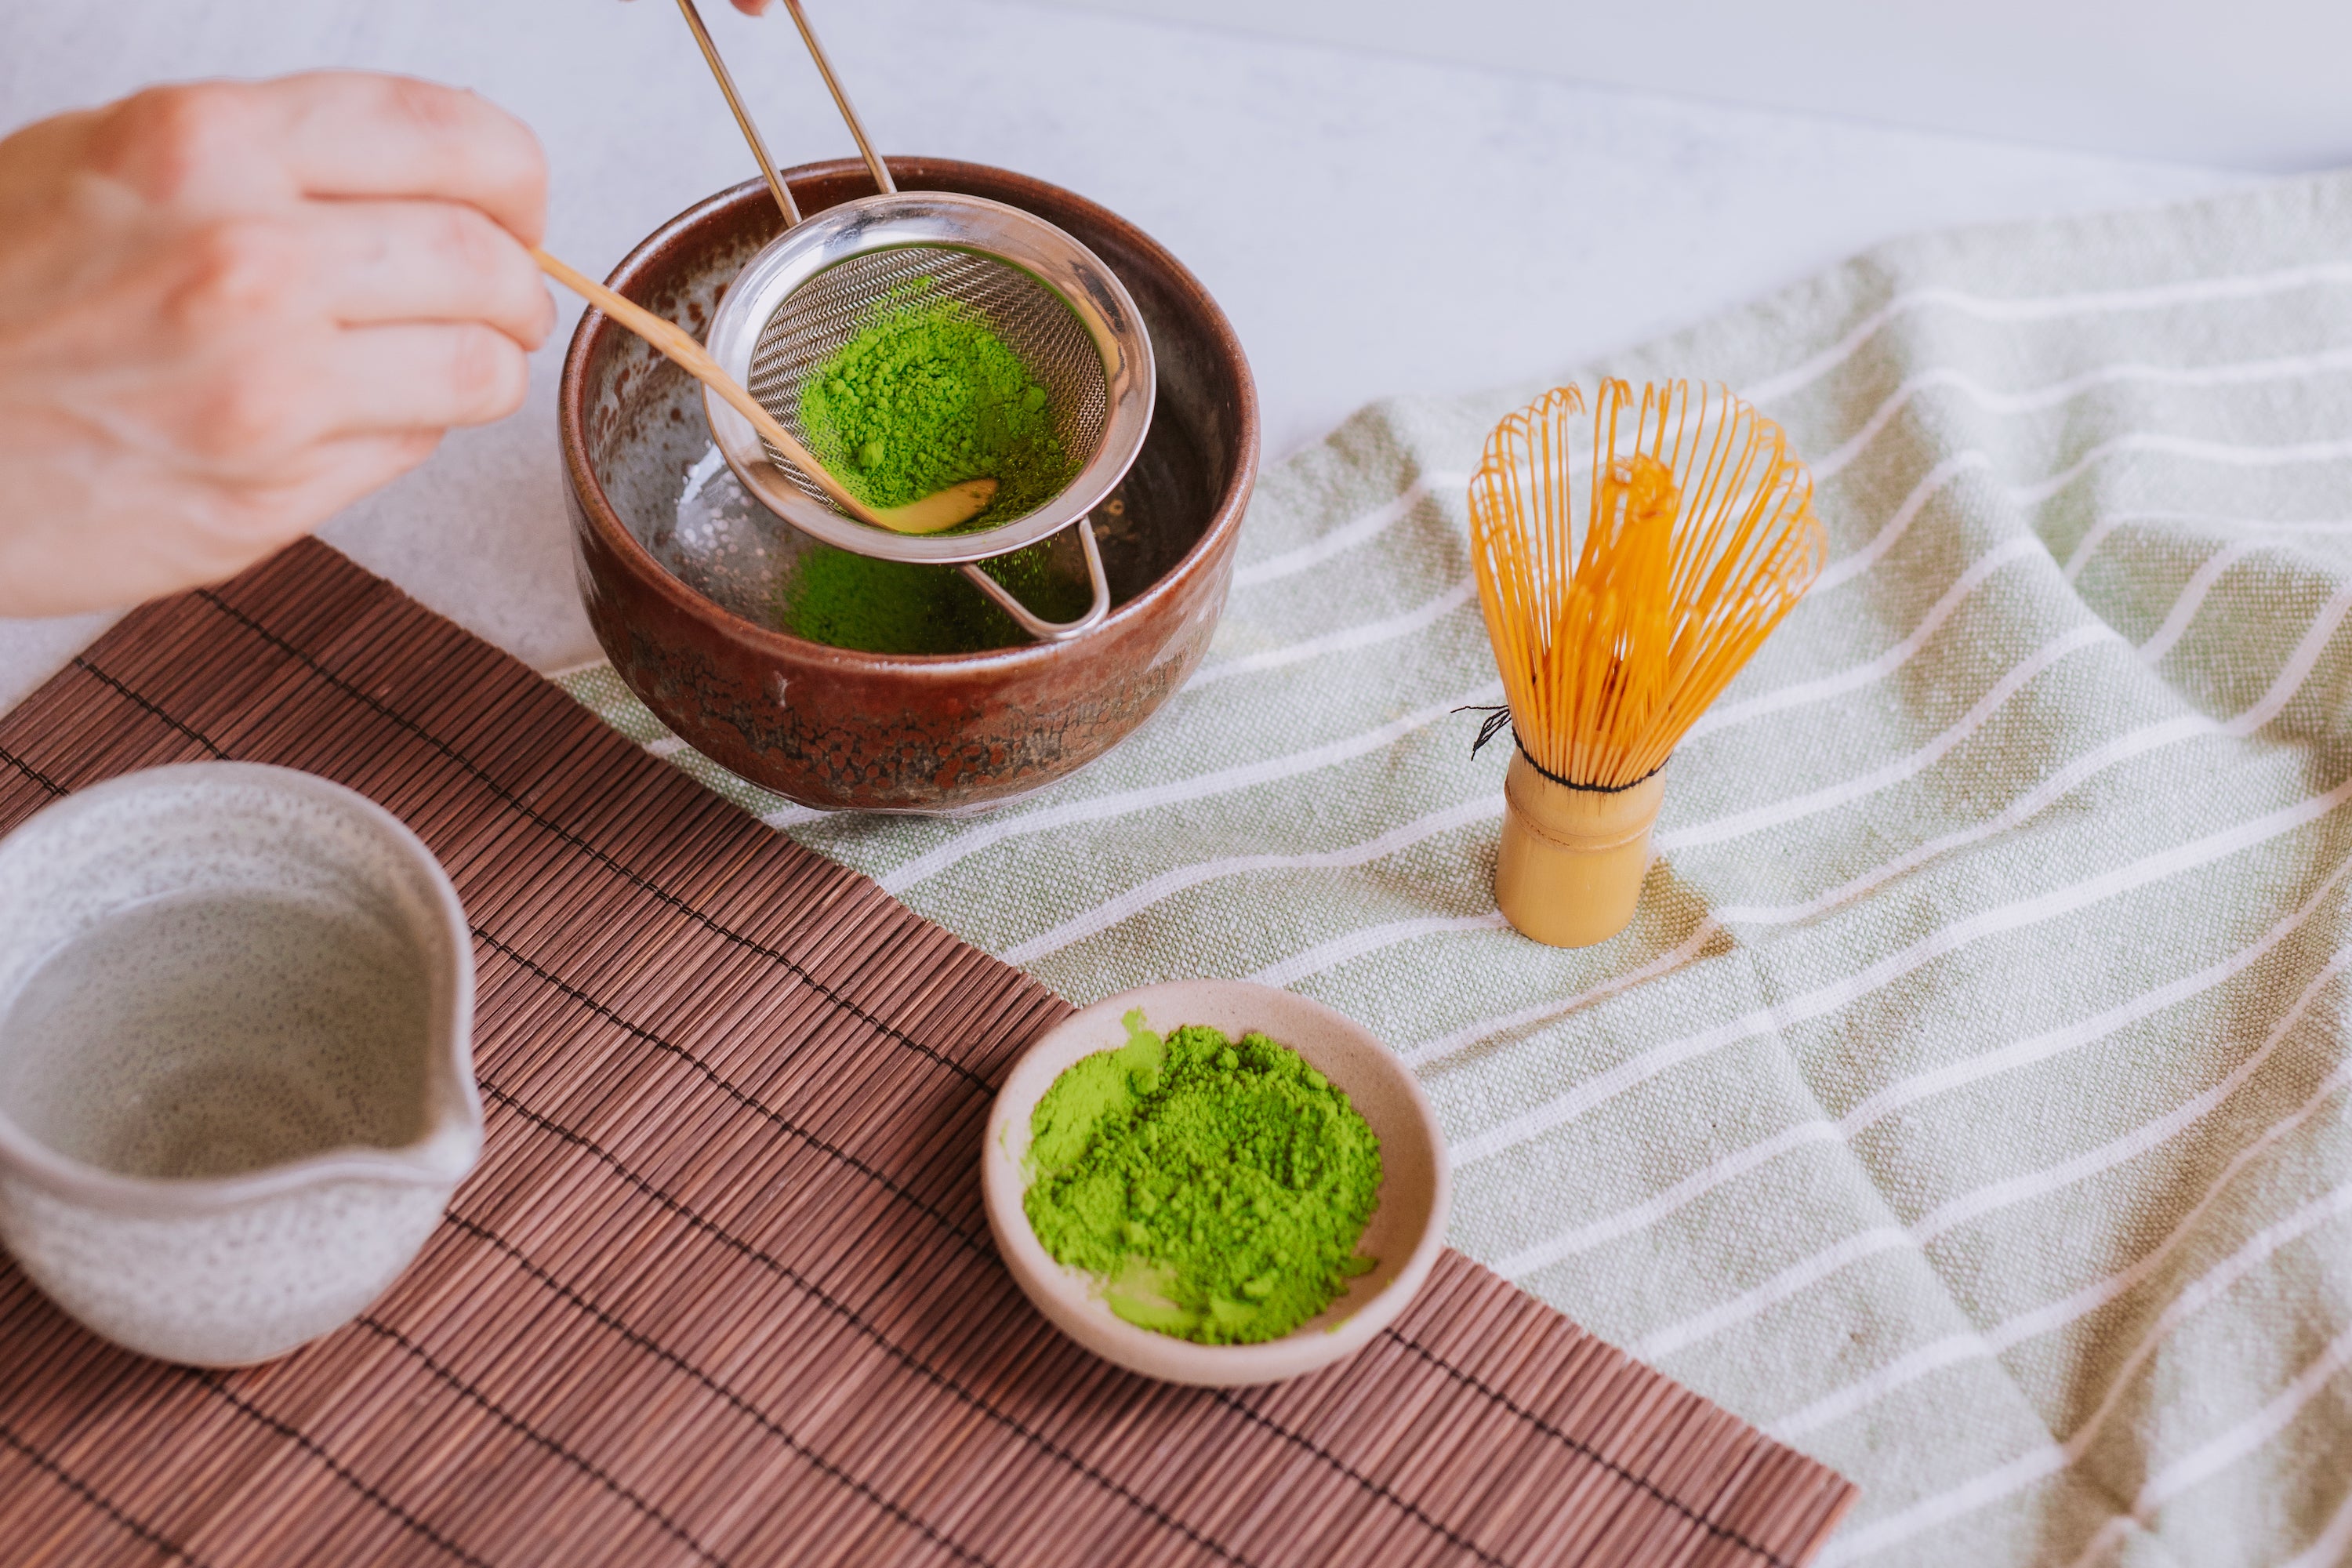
[[721, 1290]]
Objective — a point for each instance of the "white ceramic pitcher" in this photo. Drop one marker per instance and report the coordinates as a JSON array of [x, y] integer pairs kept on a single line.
[[236, 1084]]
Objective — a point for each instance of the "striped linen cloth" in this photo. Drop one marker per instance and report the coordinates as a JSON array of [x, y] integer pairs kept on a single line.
[[1967, 1103]]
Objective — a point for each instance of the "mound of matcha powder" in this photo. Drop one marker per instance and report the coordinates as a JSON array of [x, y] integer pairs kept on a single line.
[[1219, 1186], [925, 395]]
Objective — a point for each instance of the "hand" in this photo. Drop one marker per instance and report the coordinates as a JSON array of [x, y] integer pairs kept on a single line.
[[228, 310]]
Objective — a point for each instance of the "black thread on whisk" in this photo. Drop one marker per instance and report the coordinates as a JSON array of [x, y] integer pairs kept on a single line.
[[1497, 715]]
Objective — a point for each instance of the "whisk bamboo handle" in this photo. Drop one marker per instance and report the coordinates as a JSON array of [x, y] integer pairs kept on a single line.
[[1569, 870]]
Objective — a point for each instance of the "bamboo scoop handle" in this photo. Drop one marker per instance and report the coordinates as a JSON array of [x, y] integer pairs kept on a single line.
[[955, 504]]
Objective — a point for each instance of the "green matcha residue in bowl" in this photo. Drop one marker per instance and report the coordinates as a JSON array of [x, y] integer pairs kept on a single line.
[[1219, 1187], [846, 600]]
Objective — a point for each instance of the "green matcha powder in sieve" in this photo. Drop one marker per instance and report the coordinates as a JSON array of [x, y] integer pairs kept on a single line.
[[1219, 1187], [923, 395]]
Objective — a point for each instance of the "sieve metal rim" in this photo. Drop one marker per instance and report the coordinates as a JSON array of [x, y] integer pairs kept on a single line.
[[951, 221]]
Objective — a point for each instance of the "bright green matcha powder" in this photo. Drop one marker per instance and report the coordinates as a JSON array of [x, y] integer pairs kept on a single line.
[[925, 395], [1220, 1187]]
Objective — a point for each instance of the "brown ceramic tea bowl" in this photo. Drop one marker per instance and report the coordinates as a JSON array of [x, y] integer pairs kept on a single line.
[[683, 597]]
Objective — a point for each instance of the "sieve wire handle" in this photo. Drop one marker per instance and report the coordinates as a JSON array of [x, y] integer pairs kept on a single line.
[[1035, 626], [873, 164], [742, 116]]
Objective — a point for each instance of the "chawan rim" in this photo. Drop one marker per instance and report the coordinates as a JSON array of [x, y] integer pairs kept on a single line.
[[1075, 1304], [951, 668], [453, 1139]]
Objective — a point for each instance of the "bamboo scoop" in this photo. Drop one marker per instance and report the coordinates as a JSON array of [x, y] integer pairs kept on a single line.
[[932, 514]]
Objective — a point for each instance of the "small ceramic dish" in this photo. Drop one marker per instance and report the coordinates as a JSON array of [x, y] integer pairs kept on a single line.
[[1407, 1228]]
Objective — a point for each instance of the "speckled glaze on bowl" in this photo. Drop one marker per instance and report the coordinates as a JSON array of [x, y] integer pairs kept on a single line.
[[841, 729], [1405, 1234], [196, 1160]]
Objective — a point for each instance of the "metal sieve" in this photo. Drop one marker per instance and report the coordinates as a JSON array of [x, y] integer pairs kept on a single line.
[[1051, 299]]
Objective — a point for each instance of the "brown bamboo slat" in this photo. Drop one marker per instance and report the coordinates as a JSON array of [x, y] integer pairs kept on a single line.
[[721, 1291]]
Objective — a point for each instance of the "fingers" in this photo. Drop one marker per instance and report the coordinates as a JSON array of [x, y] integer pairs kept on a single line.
[[252, 418], [351, 133], [330, 477], [382, 262], [229, 528], [422, 376]]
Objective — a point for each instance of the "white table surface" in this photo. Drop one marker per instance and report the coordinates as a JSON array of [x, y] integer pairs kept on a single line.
[[1372, 224]]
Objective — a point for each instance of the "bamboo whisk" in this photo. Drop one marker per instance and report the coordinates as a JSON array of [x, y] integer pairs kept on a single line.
[[1626, 580], [1614, 636]]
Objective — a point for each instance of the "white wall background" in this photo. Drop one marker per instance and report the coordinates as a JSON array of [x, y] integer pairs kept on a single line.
[[2252, 84]]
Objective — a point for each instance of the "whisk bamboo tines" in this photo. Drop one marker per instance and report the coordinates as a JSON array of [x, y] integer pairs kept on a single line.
[[1626, 580]]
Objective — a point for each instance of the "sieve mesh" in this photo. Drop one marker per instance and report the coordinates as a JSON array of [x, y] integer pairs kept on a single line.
[[816, 318]]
